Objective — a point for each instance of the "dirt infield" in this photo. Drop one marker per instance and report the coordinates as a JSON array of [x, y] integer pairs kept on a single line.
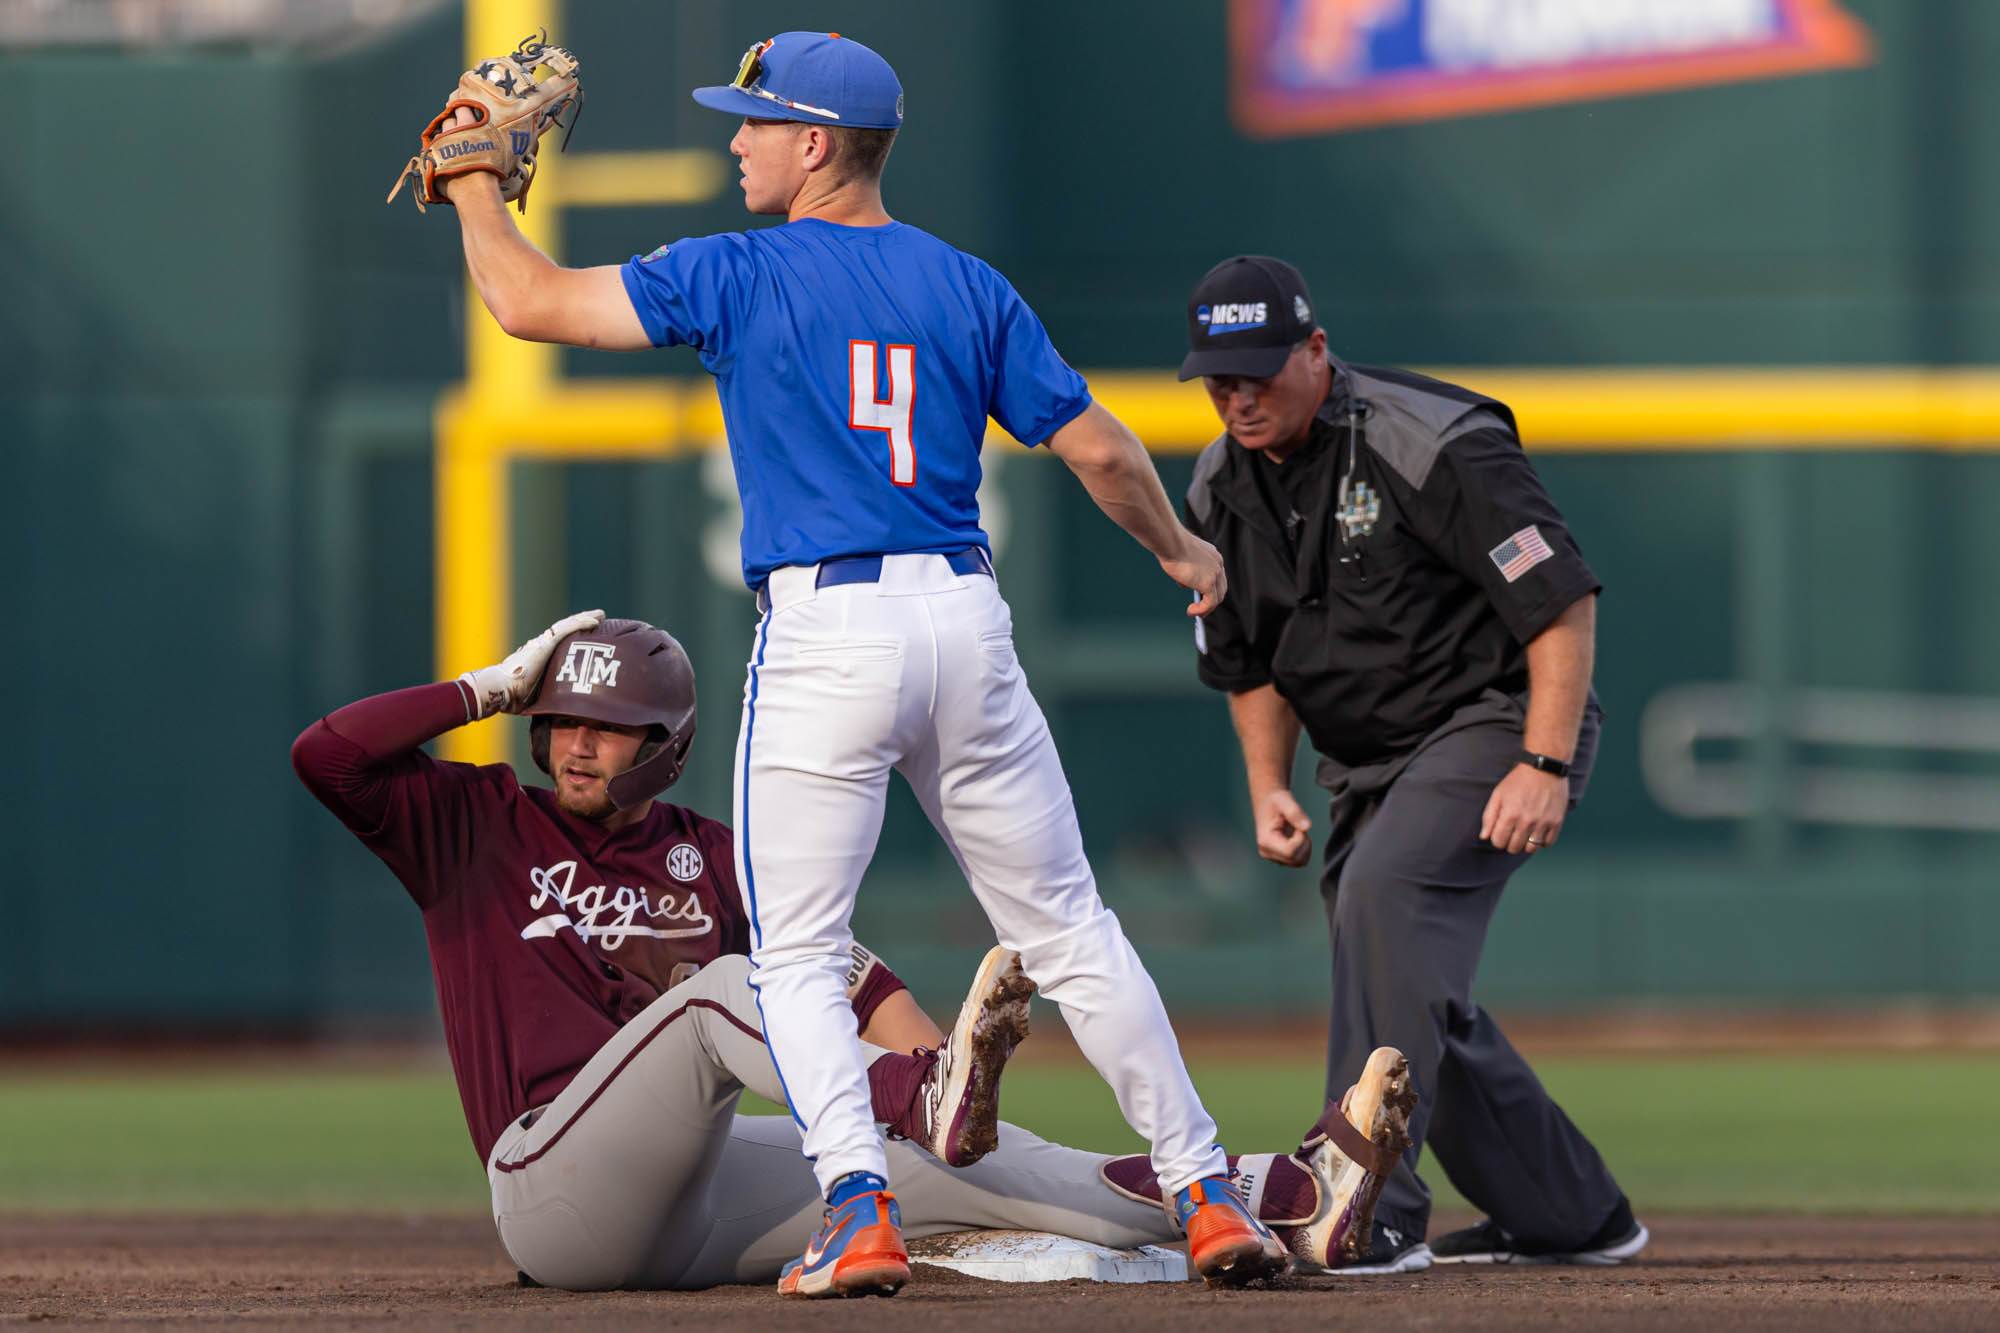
[[1711, 1273]]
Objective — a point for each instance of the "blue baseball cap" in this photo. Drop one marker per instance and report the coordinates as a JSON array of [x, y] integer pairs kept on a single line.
[[820, 78]]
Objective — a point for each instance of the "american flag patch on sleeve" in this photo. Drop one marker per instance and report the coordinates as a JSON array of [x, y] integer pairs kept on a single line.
[[1520, 553]]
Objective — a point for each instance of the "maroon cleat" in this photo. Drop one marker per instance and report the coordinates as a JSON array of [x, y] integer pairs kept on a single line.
[[956, 1113], [1351, 1151]]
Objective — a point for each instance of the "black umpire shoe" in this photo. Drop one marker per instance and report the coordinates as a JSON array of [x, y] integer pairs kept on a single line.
[[1389, 1251], [1620, 1238]]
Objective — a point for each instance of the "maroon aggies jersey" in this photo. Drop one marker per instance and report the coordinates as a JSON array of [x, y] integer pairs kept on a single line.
[[546, 932]]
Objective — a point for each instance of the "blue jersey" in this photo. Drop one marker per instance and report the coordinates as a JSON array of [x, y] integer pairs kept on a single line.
[[856, 368]]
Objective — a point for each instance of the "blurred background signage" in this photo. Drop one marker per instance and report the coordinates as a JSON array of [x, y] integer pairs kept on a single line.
[[1308, 66]]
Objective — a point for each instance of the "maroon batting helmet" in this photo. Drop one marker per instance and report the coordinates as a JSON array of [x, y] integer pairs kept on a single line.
[[628, 673]]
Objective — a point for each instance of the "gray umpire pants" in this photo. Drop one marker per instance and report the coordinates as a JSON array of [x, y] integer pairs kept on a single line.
[[640, 1174], [1409, 889]]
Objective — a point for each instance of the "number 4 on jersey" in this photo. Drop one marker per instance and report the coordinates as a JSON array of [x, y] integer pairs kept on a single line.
[[867, 412]]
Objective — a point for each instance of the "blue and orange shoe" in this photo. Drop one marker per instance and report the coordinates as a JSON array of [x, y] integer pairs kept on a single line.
[[858, 1251], [1226, 1243]]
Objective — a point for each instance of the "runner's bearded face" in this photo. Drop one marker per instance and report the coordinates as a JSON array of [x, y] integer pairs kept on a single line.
[[584, 756]]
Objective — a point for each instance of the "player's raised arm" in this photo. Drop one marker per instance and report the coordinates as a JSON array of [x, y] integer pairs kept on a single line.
[[479, 154], [530, 295], [1119, 474], [338, 756]]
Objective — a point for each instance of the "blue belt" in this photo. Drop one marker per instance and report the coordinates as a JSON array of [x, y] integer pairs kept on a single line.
[[868, 569]]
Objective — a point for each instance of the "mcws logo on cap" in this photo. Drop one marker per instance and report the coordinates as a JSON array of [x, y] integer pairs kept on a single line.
[[1231, 316]]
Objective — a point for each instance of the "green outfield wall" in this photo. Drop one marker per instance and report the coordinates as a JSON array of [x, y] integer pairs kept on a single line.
[[219, 354]]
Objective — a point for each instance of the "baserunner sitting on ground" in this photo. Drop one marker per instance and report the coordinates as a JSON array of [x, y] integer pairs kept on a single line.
[[589, 946]]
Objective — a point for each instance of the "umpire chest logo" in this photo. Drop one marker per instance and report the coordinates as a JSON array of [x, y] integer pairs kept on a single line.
[[1360, 509], [589, 665], [684, 862]]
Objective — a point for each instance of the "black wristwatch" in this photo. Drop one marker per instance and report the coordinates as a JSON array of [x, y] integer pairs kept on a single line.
[[1553, 767]]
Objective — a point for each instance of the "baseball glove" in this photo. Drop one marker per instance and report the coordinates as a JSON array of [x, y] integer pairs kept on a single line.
[[507, 111]]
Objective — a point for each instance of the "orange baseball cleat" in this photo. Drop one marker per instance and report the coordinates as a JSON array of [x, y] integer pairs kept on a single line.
[[858, 1252], [1227, 1245]]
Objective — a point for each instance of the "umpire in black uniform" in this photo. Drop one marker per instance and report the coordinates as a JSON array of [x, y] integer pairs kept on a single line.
[[1402, 587]]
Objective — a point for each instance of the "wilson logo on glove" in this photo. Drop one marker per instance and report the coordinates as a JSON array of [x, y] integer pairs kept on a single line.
[[493, 122]]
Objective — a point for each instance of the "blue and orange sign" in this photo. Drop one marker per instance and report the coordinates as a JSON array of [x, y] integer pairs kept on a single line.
[[1311, 66]]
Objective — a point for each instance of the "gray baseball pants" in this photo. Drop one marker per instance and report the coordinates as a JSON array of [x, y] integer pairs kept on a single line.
[[1409, 889], [641, 1174]]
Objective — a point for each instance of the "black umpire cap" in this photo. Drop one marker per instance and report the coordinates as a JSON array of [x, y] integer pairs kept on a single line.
[[1245, 316]]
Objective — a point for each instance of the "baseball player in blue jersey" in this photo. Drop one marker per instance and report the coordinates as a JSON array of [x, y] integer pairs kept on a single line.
[[857, 360]]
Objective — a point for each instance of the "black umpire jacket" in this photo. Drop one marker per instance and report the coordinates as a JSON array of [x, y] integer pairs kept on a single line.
[[1377, 629]]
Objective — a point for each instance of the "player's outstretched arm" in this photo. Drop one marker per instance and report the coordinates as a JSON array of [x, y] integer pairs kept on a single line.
[[530, 295], [894, 1022], [1119, 474], [899, 1024]]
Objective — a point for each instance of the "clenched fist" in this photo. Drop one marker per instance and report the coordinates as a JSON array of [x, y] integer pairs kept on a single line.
[[1283, 830]]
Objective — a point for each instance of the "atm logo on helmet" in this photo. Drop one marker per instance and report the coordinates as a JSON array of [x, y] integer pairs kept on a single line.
[[589, 665]]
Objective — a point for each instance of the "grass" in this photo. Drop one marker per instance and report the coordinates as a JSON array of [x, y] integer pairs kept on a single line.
[[323, 1141], [1875, 1134], [1737, 1133]]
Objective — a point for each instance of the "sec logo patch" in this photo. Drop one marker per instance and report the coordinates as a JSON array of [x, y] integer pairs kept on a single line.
[[684, 862]]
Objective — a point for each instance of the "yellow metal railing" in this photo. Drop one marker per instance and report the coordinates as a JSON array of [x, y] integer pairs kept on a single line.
[[1677, 409]]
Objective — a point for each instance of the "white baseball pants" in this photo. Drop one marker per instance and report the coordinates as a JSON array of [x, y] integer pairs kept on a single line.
[[916, 673]]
